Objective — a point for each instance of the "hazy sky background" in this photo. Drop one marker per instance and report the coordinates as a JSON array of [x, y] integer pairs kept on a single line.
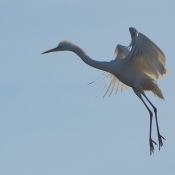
[[50, 121]]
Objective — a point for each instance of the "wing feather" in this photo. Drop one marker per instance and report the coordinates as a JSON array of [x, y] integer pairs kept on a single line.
[[121, 51], [147, 56]]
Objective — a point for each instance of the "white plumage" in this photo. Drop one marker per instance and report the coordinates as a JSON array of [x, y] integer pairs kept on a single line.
[[138, 66], [145, 55]]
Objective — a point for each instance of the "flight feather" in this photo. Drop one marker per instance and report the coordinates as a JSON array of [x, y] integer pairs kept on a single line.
[[147, 56]]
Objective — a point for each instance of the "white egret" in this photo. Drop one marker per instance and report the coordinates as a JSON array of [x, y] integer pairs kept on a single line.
[[139, 66]]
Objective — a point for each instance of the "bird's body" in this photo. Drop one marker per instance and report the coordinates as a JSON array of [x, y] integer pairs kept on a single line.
[[132, 76], [137, 66], [124, 70]]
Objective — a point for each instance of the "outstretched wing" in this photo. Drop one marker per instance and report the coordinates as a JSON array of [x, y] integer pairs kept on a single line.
[[108, 81], [121, 51], [146, 55]]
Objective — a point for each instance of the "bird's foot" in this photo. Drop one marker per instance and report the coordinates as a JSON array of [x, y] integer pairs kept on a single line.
[[160, 140], [151, 144]]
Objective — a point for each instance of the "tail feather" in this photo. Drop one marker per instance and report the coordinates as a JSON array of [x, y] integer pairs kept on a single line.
[[156, 90], [151, 85]]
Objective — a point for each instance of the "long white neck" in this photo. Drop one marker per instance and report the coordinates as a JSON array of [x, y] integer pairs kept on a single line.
[[96, 64]]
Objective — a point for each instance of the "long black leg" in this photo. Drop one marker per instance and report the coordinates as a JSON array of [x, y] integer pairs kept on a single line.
[[158, 132], [151, 142]]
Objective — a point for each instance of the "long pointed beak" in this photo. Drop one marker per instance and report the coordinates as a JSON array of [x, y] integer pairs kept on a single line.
[[51, 50]]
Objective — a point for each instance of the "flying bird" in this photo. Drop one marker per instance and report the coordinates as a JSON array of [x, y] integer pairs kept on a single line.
[[138, 66]]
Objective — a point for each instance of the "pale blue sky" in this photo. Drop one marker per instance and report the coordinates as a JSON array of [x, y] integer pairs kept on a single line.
[[50, 121]]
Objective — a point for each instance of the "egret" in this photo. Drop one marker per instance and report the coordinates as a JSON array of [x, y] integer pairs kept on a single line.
[[138, 66]]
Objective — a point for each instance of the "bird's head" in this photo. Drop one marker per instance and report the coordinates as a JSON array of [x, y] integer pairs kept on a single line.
[[62, 46], [133, 32]]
